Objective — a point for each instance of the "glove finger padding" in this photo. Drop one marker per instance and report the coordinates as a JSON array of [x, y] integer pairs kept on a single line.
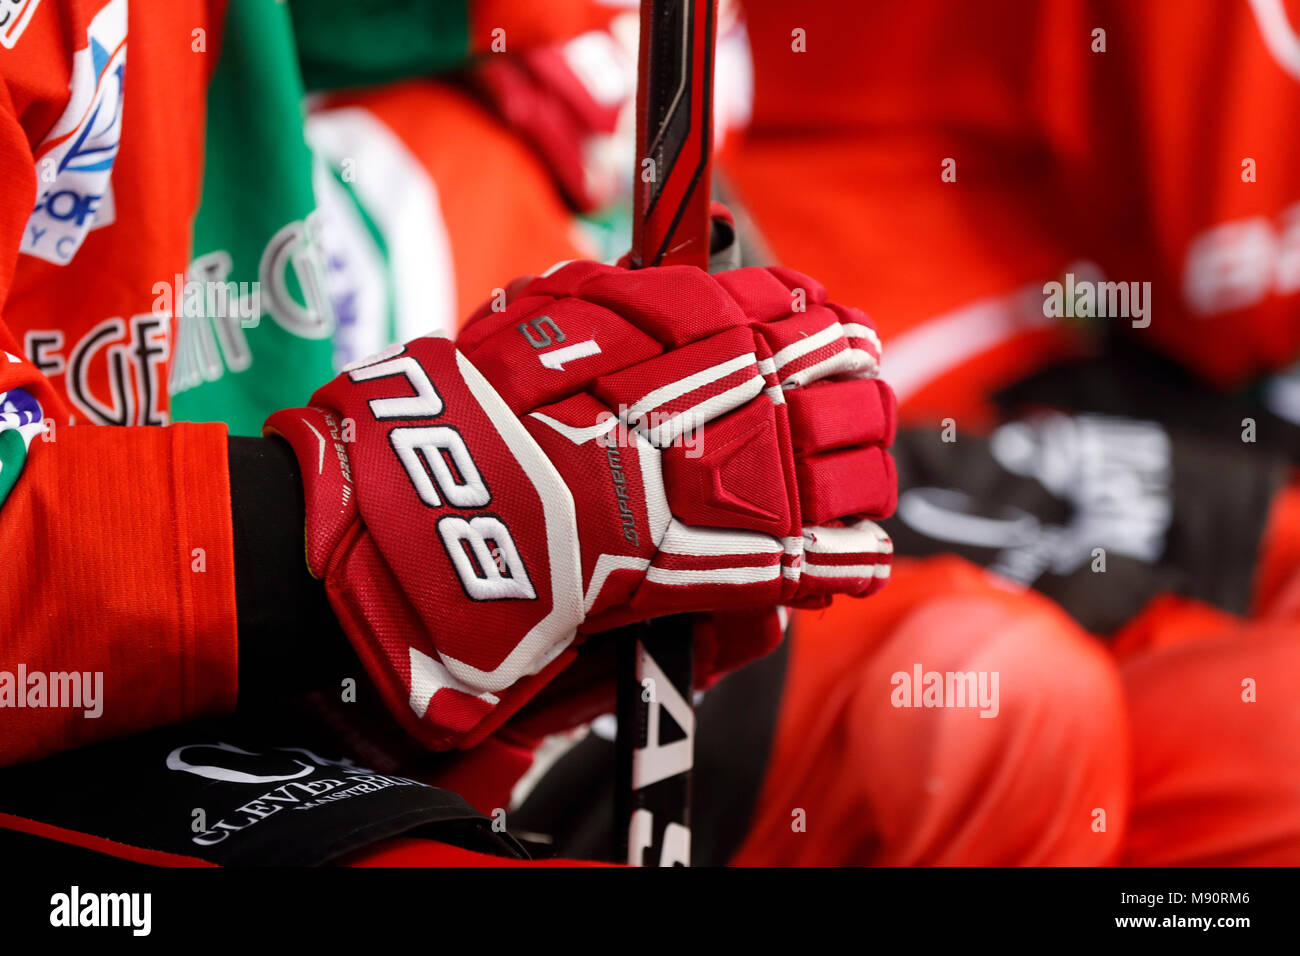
[[733, 349], [612, 446]]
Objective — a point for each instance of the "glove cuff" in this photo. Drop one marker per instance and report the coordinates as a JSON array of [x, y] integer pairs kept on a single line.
[[319, 441]]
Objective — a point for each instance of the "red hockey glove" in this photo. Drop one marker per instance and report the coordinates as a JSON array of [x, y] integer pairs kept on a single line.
[[612, 446]]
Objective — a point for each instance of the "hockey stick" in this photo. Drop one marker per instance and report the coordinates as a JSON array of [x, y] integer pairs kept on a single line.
[[670, 223], [670, 226]]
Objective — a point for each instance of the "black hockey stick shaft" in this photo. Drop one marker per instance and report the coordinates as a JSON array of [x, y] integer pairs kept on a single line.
[[671, 226]]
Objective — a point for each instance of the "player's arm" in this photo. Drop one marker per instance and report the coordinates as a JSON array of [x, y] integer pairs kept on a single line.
[[611, 447]]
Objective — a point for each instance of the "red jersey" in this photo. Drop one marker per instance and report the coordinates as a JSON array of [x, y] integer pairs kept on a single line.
[[953, 159]]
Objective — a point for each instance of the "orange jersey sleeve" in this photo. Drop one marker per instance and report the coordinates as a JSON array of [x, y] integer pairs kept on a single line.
[[117, 602]]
